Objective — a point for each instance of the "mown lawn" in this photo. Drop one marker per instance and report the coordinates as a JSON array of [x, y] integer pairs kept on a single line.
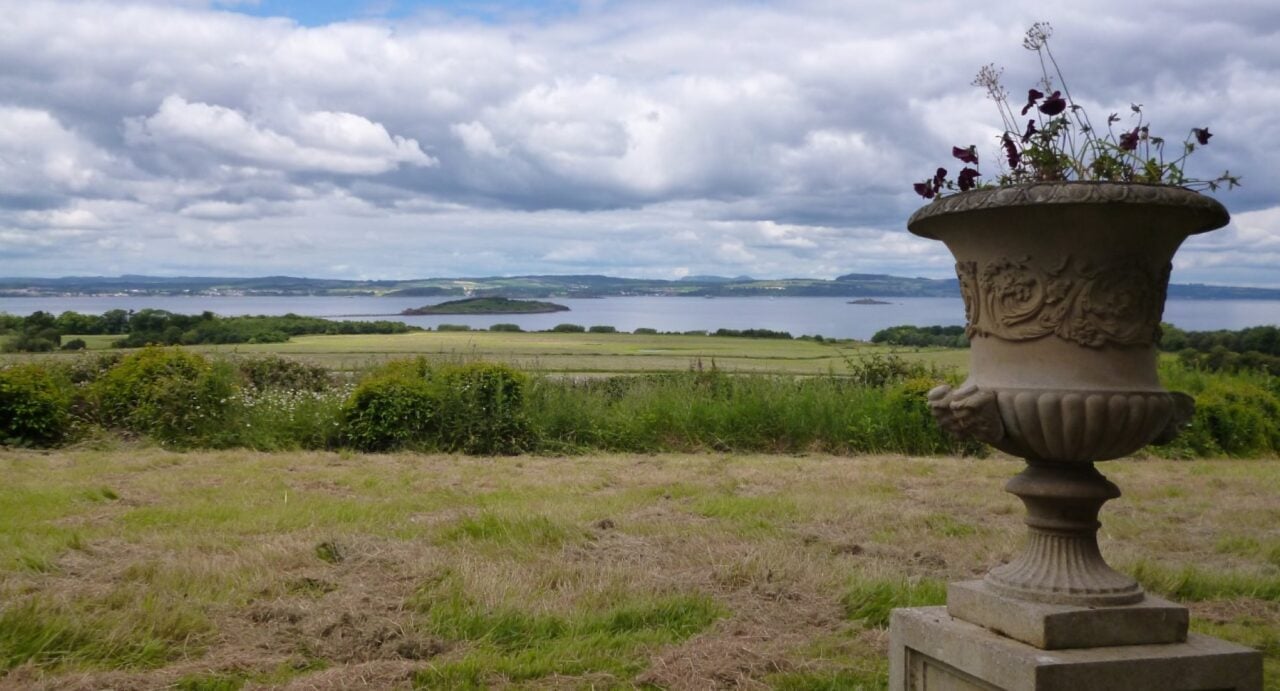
[[134, 567]]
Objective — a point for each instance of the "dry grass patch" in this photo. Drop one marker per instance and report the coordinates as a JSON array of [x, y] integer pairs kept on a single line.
[[141, 568]]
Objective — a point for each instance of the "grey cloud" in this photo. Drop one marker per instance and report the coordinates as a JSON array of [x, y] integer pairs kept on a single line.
[[635, 137]]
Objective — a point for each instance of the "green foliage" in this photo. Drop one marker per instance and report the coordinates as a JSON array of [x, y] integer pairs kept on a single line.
[[393, 407], [568, 328], [35, 402], [645, 331], [42, 332], [1197, 584], [453, 327], [696, 411], [172, 395], [602, 330], [49, 634], [871, 601], [923, 336], [274, 372], [75, 344], [480, 408], [510, 328], [1237, 414], [511, 644], [538, 531], [472, 408]]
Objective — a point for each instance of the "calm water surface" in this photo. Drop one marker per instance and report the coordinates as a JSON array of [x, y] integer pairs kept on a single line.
[[833, 317]]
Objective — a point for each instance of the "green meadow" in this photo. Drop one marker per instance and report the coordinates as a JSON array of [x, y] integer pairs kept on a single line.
[[577, 353], [132, 567], [688, 512]]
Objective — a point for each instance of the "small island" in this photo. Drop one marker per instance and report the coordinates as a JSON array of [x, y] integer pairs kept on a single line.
[[487, 305], [869, 301]]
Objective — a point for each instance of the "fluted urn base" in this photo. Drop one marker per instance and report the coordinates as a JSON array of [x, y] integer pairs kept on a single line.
[[1061, 563]]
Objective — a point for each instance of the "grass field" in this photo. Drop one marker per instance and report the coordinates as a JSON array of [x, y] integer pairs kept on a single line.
[[141, 568], [584, 353], [587, 353]]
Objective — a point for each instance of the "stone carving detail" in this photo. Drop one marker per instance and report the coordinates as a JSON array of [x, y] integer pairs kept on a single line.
[[967, 412], [1077, 193], [1061, 563], [1015, 300], [1061, 426]]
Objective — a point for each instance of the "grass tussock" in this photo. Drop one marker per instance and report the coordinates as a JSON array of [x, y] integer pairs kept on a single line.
[[509, 643]]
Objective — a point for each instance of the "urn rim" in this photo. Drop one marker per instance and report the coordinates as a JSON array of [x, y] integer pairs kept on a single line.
[[1212, 214]]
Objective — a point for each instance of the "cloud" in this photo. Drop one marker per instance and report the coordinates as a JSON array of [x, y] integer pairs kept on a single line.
[[639, 138], [323, 141]]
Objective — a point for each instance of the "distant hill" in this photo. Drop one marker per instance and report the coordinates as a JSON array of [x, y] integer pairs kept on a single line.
[[854, 285]]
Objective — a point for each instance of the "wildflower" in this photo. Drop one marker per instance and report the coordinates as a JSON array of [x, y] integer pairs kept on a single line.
[[969, 155], [924, 189], [967, 179], [1054, 104], [1202, 134], [1129, 140], [1032, 96], [1011, 151], [1031, 131]]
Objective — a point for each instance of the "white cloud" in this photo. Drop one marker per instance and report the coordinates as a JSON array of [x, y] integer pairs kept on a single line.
[[638, 138], [316, 141]]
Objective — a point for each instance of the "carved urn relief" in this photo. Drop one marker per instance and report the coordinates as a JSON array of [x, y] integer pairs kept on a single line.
[[1064, 286]]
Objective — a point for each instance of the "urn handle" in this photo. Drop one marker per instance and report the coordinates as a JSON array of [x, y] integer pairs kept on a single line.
[[1184, 408], [967, 412]]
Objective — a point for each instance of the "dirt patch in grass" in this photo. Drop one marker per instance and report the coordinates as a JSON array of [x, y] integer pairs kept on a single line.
[[319, 571]]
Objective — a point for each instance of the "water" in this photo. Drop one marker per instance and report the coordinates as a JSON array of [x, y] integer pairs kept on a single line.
[[832, 317]]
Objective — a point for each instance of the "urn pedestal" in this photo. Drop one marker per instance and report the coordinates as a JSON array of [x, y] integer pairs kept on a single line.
[[1064, 286]]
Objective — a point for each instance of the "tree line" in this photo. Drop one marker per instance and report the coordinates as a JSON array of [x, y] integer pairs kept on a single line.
[[43, 332]]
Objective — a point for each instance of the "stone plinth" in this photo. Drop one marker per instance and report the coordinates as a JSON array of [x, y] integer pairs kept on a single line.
[[1055, 627], [929, 650]]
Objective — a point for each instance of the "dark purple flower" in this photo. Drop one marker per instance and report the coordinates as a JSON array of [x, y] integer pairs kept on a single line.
[[924, 189], [1031, 131], [1054, 104], [1129, 140], [1011, 151], [969, 155], [1202, 134], [1032, 97], [939, 178], [967, 179]]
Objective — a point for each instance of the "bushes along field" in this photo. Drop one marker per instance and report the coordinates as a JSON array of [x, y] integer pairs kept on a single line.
[[183, 399]]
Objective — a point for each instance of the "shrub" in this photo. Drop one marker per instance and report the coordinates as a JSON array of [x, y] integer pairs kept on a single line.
[[392, 407], [513, 328], [171, 395], [75, 344], [480, 408], [472, 408], [453, 327], [568, 328], [1236, 419], [645, 331], [275, 372], [35, 403], [602, 330]]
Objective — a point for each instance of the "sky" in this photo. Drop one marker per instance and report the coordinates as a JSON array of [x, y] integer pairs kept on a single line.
[[652, 138]]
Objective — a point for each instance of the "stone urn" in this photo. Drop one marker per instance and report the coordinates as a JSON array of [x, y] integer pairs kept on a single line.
[[1064, 285]]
